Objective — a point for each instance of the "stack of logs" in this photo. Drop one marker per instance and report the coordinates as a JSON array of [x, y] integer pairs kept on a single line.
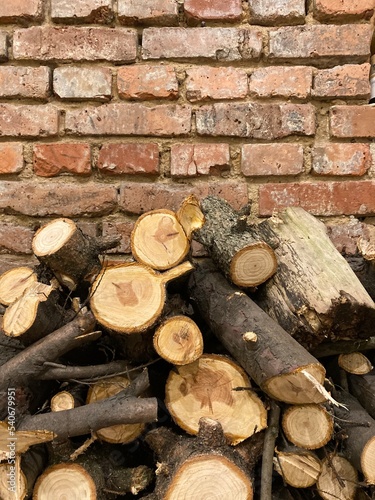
[[164, 377]]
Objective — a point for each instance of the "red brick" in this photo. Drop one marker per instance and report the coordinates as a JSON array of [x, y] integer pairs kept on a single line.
[[271, 159], [273, 12], [280, 81], [123, 228], [218, 44], [320, 198], [351, 80], [351, 42], [341, 159], [129, 158], [24, 82], [204, 83], [3, 46], [15, 238], [352, 121], [225, 10], [258, 121], [326, 10], [11, 158], [345, 235], [72, 82], [20, 10], [147, 82], [199, 159], [46, 43], [148, 12], [92, 11], [57, 199], [28, 121], [54, 159], [138, 198], [130, 119]]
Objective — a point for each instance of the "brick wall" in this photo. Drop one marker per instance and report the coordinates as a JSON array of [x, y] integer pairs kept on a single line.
[[109, 108]]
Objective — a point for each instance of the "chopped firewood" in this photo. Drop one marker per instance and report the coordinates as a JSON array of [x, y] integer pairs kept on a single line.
[[190, 216], [359, 430], [13, 485], [158, 240], [199, 467], [298, 467], [315, 295], [308, 426], [276, 362], [129, 298], [355, 362], [178, 340], [63, 400], [338, 479], [117, 433], [14, 282], [207, 388], [22, 440], [362, 387], [243, 257]]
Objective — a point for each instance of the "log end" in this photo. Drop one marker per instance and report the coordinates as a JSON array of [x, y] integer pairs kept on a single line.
[[253, 265], [65, 480]]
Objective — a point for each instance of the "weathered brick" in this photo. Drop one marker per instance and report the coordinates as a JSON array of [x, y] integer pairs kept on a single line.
[[10, 261], [219, 44], [57, 199], [122, 228], [129, 158], [351, 80], [225, 10], [345, 235], [352, 121], [271, 159], [46, 43], [11, 157], [129, 119], [147, 82], [20, 10], [281, 81], [28, 121], [341, 159], [333, 10], [258, 121], [204, 83], [15, 238], [24, 82], [199, 159], [138, 198], [54, 159], [320, 198], [3, 46], [92, 11], [72, 82], [148, 12], [273, 12], [312, 42]]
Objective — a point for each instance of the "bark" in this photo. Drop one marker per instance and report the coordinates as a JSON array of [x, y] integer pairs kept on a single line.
[[362, 387], [67, 372]]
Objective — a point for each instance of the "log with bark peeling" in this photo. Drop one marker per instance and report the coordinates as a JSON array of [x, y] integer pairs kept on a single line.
[[314, 295], [283, 369]]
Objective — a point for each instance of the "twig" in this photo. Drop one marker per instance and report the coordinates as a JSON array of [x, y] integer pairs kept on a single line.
[[268, 452]]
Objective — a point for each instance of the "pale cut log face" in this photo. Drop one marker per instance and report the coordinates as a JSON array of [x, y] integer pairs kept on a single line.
[[253, 265], [6, 482], [14, 282], [368, 461], [330, 487], [205, 389], [355, 362], [308, 426], [209, 476], [300, 470], [51, 237]]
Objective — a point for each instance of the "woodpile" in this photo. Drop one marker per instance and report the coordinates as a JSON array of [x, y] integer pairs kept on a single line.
[[244, 375]]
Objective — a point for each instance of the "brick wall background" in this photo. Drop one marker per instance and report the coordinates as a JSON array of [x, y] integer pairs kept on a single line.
[[109, 108]]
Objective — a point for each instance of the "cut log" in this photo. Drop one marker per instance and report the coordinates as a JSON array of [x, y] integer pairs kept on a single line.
[[196, 468], [129, 298], [63, 400], [178, 340], [244, 258], [363, 389], [118, 433], [338, 479], [14, 282], [276, 362], [158, 240], [355, 362], [190, 216], [12, 481], [308, 426], [21, 440], [206, 388], [343, 347], [315, 295], [359, 429], [34, 315], [298, 467]]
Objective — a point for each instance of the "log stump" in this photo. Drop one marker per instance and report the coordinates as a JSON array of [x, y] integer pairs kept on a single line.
[[14, 282]]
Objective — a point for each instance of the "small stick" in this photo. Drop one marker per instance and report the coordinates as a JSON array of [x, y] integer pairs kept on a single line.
[[268, 452]]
